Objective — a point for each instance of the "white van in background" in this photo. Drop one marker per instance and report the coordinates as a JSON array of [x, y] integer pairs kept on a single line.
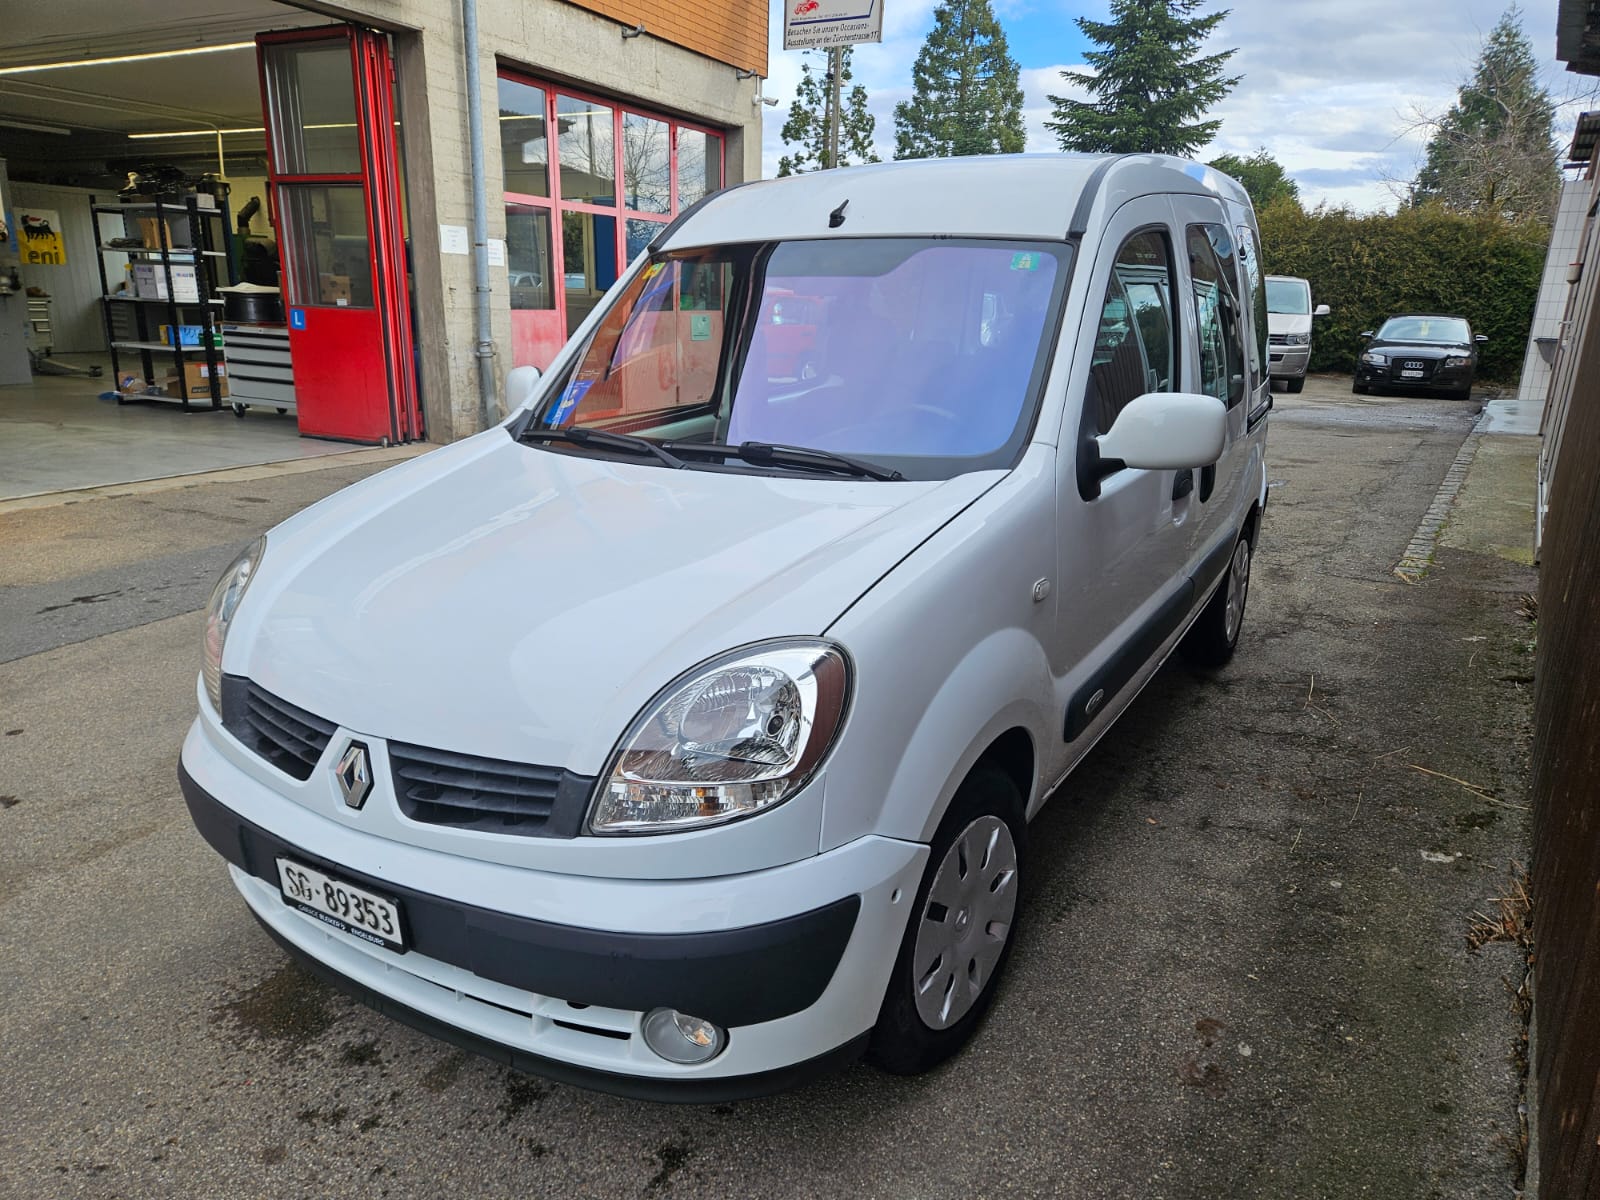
[[1289, 315]]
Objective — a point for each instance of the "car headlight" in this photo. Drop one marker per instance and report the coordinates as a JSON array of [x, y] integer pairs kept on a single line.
[[1376, 359], [1299, 339], [224, 603], [735, 736], [1456, 360]]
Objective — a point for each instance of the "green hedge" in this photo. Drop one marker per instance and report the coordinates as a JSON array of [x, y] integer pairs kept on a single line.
[[1369, 267]]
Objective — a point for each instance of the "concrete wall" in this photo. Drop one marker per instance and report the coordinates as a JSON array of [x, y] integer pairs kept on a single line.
[[74, 286], [13, 308], [546, 38], [1565, 238]]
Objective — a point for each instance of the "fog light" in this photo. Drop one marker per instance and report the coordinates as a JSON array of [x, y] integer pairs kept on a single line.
[[680, 1038]]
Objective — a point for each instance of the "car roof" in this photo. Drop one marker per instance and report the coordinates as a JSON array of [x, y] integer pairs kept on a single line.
[[1426, 316], [1010, 195]]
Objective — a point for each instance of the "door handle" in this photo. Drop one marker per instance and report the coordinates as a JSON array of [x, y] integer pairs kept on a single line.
[[1182, 484]]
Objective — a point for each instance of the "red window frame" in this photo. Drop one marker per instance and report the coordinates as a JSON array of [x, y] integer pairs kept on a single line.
[[555, 205]]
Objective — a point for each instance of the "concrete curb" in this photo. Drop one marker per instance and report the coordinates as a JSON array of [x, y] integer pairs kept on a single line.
[[292, 466], [1418, 556]]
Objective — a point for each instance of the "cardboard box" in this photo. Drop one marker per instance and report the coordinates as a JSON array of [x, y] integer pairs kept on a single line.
[[154, 233], [196, 383], [150, 281], [335, 288]]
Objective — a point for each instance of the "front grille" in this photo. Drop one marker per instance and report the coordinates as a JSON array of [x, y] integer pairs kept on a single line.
[[288, 737], [1277, 339], [1425, 365], [490, 795]]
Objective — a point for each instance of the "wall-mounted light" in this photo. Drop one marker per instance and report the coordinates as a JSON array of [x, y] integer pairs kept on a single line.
[[741, 73], [636, 31], [127, 58]]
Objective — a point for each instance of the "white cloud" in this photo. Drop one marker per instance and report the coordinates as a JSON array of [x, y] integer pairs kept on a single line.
[[1330, 89]]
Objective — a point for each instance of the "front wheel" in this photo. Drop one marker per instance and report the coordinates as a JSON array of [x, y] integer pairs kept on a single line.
[[1296, 385], [1213, 637], [962, 928]]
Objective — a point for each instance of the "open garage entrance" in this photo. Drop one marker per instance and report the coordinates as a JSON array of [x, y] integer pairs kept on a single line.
[[205, 253]]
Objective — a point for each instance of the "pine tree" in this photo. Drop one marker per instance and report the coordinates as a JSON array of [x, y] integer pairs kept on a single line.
[[965, 94], [1494, 150], [1147, 84], [807, 123], [1262, 175]]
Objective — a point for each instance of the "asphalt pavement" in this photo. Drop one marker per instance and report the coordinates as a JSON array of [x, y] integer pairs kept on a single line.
[[1242, 971]]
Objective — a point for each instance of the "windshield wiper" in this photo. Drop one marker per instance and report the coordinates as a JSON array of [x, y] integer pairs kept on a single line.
[[582, 436], [802, 458]]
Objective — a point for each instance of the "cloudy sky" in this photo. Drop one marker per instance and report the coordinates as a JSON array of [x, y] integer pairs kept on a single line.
[[1331, 88]]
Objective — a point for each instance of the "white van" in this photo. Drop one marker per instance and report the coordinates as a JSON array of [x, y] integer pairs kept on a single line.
[[1289, 315], [679, 736]]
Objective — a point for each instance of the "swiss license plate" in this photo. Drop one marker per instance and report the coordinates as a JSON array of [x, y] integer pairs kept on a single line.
[[1410, 374], [342, 905]]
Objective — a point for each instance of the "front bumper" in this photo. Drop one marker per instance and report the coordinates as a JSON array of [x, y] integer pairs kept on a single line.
[[792, 961], [1447, 379], [1288, 362]]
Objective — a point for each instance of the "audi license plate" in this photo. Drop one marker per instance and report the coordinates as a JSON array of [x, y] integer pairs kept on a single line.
[[1410, 374], [346, 907]]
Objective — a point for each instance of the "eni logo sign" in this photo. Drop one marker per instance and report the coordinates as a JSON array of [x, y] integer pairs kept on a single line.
[[39, 240]]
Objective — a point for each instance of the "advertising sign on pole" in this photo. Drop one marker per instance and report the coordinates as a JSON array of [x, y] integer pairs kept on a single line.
[[823, 24]]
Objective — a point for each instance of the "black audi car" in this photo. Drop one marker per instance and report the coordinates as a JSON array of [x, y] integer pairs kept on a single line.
[[1421, 351]]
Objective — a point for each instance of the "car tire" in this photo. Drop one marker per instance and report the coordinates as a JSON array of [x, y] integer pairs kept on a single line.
[[932, 1006], [1295, 385], [1212, 638], [1359, 388]]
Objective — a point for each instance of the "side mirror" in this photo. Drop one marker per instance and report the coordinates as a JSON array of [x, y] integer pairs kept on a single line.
[[1367, 333], [1481, 338], [521, 383], [1162, 431], [1321, 310]]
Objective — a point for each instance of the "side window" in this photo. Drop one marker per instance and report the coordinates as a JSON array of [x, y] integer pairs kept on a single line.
[[1256, 281], [1217, 314], [1133, 351]]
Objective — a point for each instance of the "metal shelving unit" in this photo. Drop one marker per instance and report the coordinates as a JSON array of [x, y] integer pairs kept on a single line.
[[126, 312]]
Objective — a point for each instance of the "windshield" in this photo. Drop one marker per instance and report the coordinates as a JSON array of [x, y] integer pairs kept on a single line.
[[921, 355], [1451, 330], [1291, 296]]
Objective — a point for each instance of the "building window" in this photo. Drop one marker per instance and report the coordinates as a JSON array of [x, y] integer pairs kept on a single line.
[[584, 201]]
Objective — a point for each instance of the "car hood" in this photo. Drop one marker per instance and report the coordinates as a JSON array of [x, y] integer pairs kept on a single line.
[[1288, 322], [1420, 349], [522, 603]]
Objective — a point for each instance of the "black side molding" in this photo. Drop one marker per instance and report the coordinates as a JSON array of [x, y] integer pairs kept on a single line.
[[1125, 663], [1122, 666], [734, 977]]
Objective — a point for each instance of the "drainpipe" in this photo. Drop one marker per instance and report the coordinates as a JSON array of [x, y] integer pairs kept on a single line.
[[488, 402]]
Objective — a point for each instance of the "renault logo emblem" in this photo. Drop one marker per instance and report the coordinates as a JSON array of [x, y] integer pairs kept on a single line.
[[355, 775]]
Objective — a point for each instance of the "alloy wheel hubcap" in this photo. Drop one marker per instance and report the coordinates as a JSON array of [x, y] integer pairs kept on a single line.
[[1238, 589], [965, 923]]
